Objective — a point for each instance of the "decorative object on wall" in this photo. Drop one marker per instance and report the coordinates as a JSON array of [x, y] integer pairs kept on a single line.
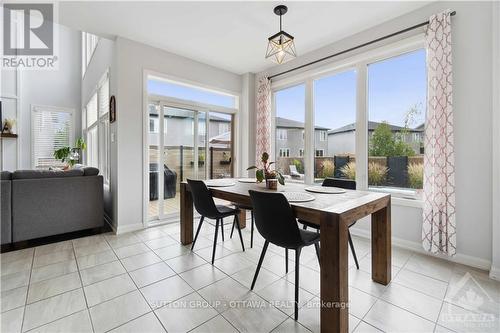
[[112, 109], [438, 231], [281, 47], [263, 117], [8, 126]]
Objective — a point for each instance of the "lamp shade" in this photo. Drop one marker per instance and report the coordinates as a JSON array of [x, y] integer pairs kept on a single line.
[[281, 47]]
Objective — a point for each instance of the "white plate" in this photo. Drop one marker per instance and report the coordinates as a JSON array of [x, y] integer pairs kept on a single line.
[[325, 189], [219, 182], [247, 180], [298, 196]]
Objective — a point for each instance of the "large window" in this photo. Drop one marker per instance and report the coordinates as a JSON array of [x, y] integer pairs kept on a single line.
[[52, 128], [396, 121], [335, 120], [95, 128], [290, 119], [89, 44]]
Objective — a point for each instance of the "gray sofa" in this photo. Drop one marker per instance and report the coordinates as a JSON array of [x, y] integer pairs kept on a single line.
[[40, 203]]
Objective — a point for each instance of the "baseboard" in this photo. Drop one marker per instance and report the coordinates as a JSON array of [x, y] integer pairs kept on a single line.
[[417, 247], [495, 273], [128, 228]]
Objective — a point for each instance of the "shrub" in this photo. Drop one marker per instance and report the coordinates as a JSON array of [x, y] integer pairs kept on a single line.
[[327, 168], [377, 173], [298, 165], [416, 175], [349, 170]]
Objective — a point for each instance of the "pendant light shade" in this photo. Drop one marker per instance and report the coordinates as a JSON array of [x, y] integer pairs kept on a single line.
[[280, 47]]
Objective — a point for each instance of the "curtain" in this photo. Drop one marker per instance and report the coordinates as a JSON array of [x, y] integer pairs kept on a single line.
[[263, 126], [438, 231]]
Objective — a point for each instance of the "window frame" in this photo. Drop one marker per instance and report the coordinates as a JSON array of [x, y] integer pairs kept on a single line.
[[88, 50], [282, 152], [358, 62]]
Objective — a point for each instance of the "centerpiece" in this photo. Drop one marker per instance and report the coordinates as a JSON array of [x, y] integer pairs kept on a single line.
[[272, 177]]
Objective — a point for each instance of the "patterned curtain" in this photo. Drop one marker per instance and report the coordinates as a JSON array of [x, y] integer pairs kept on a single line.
[[438, 232], [263, 128]]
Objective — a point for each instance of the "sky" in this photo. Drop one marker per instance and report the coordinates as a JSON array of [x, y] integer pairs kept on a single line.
[[394, 86]]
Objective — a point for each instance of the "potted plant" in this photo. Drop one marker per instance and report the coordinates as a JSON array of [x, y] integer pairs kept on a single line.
[[272, 177], [70, 155]]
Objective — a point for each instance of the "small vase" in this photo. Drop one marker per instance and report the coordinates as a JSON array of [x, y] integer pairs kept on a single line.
[[272, 184]]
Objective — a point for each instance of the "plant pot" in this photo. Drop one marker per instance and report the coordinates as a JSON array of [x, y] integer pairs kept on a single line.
[[272, 184]]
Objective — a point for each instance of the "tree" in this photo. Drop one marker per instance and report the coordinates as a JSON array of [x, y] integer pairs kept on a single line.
[[384, 143]]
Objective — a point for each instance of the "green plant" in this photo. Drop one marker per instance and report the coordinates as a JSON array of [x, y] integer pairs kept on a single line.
[[201, 157], [298, 165], [377, 173], [327, 168], [67, 154], [349, 170], [384, 143], [265, 172], [416, 175]]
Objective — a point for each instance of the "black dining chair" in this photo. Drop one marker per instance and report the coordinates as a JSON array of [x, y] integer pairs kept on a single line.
[[345, 184], [250, 208], [276, 223], [206, 207]]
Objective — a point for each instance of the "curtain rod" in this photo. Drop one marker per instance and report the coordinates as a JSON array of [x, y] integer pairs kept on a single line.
[[354, 48]]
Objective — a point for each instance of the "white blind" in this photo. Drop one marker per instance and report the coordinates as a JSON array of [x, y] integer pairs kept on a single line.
[[92, 147], [51, 130], [104, 98], [92, 111]]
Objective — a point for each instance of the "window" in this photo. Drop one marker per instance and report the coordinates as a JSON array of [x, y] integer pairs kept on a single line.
[[335, 119], [52, 128], [284, 152], [396, 115], [153, 125], [290, 118], [96, 129], [281, 134], [89, 44], [162, 87], [301, 152], [223, 127]]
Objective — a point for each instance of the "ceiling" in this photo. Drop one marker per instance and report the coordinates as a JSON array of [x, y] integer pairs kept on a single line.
[[228, 35]]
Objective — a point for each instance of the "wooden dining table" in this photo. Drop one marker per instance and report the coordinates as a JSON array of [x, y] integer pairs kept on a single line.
[[334, 213]]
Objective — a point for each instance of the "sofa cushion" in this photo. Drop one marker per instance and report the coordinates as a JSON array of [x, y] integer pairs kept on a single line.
[[34, 174], [90, 171], [6, 175]]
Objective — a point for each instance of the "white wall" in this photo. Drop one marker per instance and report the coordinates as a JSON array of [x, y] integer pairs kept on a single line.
[[60, 88], [132, 59], [103, 59], [472, 84]]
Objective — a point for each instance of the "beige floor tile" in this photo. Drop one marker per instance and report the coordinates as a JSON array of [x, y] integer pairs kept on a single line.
[[245, 277], [11, 321], [202, 276], [462, 320], [17, 255], [186, 313], [281, 294], [360, 302], [51, 248], [185, 262], [117, 241], [52, 287], [101, 272], [92, 249], [233, 263], [150, 234], [130, 250], [366, 328], [290, 325], [151, 274], [107, 289], [158, 243], [390, 318], [53, 271], [53, 308], [363, 281], [15, 280], [146, 323], [215, 325], [13, 298], [8, 268], [76, 323], [309, 279], [172, 251], [422, 283], [96, 259], [165, 291], [220, 252], [222, 292], [86, 241], [140, 260], [427, 265], [52, 258], [113, 313]]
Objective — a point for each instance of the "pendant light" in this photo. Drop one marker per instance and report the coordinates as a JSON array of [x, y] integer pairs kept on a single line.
[[281, 47]]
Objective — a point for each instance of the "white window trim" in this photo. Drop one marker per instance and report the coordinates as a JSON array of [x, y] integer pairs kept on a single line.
[[34, 108], [358, 62]]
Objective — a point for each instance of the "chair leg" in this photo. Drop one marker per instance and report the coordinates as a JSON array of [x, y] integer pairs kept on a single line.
[[197, 232], [222, 228], [316, 246], [251, 230], [232, 229], [286, 261], [351, 245], [237, 221], [215, 239], [297, 264], [261, 259]]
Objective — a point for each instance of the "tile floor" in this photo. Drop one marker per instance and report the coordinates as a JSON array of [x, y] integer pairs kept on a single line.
[[146, 281]]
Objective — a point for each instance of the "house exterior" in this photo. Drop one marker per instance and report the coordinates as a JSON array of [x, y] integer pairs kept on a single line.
[[342, 140], [290, 138]]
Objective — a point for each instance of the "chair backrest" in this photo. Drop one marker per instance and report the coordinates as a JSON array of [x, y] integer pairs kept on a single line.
[[202, 198], [338, 182], [274, 219]]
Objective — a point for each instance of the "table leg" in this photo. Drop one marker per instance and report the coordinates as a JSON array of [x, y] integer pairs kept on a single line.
[[334, 282], [243, 218], [381, 245], [186, 213]]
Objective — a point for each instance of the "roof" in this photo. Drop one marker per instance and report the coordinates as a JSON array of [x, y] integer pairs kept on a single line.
[[178, 113], [289, 123], [372, 125]]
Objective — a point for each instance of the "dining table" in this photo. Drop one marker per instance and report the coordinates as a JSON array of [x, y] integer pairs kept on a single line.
[[333, 213]]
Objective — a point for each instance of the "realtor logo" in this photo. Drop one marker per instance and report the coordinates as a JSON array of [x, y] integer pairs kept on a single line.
[[32, 24]]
